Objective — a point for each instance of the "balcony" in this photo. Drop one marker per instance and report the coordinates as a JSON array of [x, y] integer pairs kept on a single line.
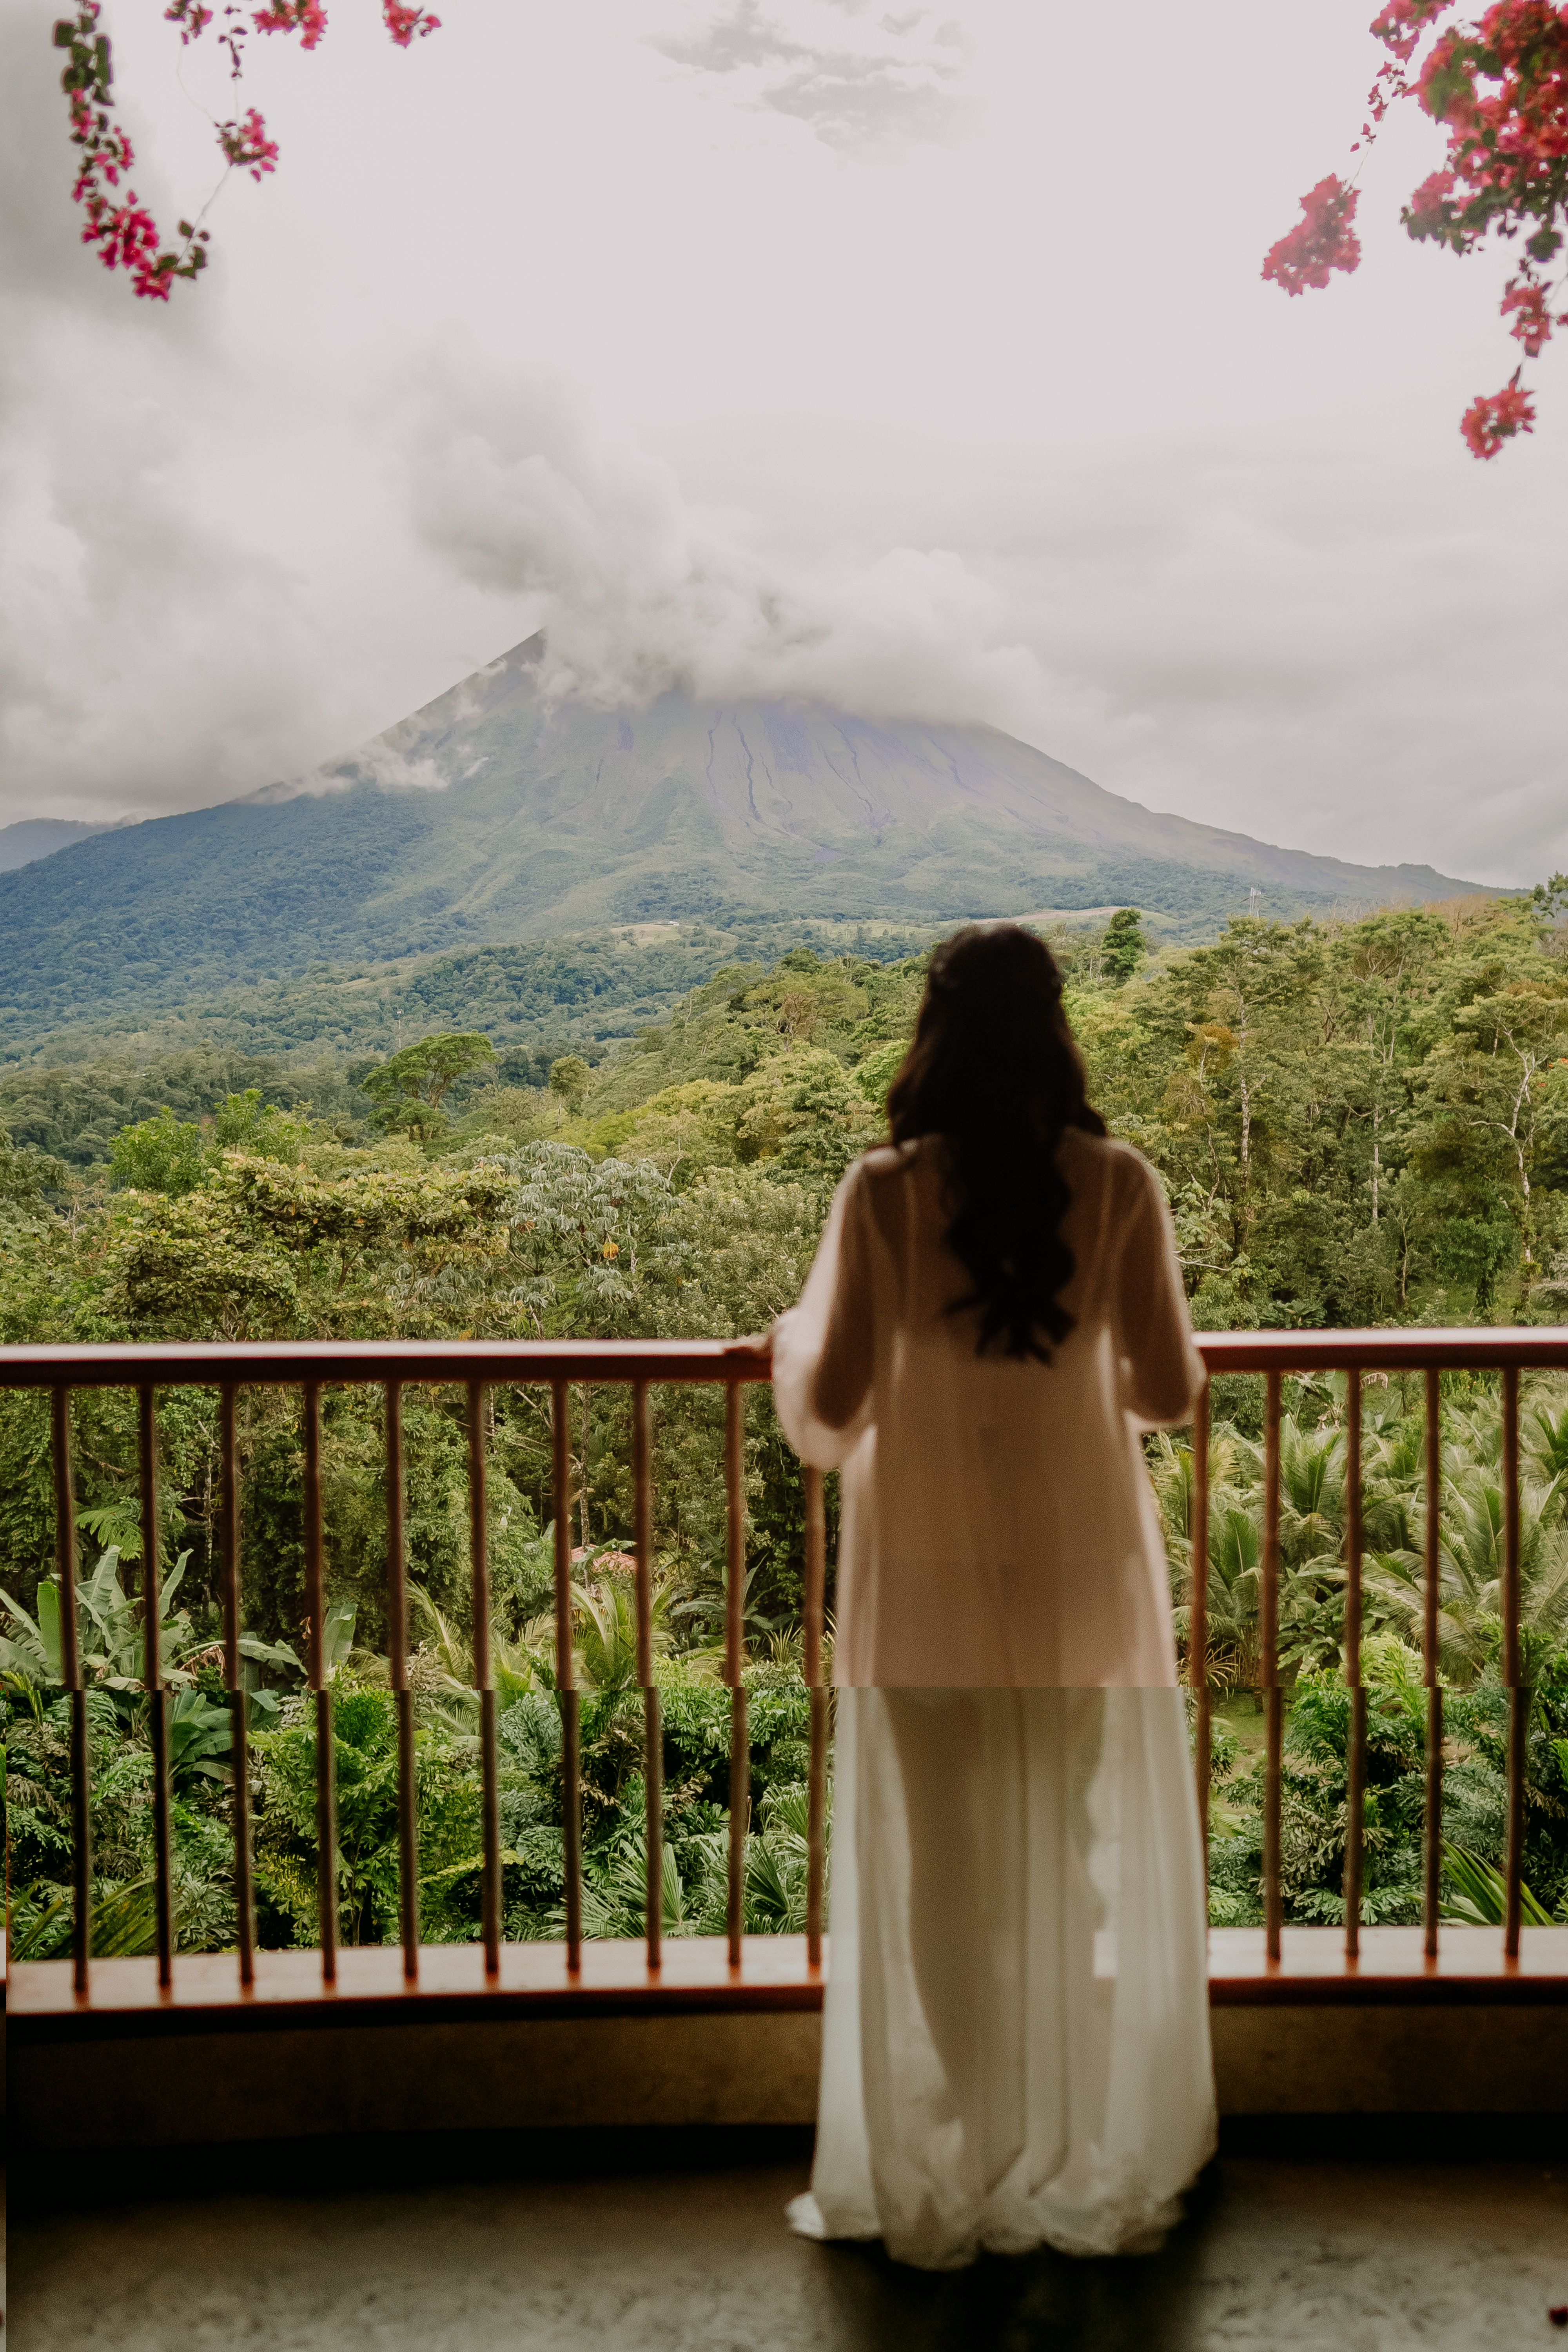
[[652, 2100]]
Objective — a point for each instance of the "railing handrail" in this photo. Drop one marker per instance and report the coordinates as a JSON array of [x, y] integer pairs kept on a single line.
[[199, 1363], [258, 1362], [1479, 1347]]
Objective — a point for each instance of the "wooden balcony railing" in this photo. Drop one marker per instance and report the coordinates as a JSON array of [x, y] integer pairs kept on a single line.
[[1274, 1353], [743, 1973]]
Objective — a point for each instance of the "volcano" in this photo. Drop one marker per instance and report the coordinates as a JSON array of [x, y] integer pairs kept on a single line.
[[490, 814]]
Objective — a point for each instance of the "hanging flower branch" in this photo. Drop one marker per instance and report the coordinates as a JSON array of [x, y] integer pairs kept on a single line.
[[117, 224], [1499, 88]]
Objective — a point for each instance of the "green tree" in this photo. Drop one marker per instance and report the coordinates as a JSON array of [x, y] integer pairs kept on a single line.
[[244, 1122], [158, 1155], [189, 1262], [1124, 946], [804, 1119], [1488, 1096], [569, 1083], [408, 1088], [26, 1175]]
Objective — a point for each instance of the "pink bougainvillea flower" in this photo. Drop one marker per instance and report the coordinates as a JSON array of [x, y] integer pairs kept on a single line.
[[1487, 424], [306, 17], [1532, 322], [1321, 240], [247, 145], [125, 234], [403, 23], [191, 18], [1400, 25], [1498, 86], [1429, 210]]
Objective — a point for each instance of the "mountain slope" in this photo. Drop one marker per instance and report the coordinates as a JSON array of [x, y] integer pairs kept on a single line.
[[39, 837], [487, 816]]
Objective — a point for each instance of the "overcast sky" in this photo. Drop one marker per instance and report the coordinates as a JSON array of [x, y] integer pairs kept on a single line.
[[912, 363]]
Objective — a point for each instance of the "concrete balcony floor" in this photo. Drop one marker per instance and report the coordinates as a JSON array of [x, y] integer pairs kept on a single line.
[[1279, 2255]]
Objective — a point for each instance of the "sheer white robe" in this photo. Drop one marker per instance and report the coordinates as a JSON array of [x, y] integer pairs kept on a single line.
[[1015, 2045], [998, 1523]]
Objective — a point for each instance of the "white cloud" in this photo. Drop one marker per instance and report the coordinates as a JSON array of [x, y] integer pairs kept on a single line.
[[868, 90], [518, 485]]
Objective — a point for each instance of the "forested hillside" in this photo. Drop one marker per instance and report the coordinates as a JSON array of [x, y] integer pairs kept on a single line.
[[1356, 1123], [537, 997]]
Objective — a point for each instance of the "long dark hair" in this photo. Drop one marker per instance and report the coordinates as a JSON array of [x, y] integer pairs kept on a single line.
[[996, 1070]]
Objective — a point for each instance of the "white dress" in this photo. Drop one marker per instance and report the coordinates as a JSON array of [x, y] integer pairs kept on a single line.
[[1015, 2044]]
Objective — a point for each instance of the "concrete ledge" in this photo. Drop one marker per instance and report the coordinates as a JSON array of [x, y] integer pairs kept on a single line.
[[730, 2070], [1387, 2059], [537, 2074]]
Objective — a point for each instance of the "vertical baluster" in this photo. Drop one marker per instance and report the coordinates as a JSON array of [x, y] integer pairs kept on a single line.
[[583, 1536], [152, 1677], [402, 1697], [233, 1680], [565, 1679], [484, 1678], [653, 1726], [72, 1676], [1269, 1632], [735, 1659], [1198, 1617], [326, 1760], [1433, 1891], [1513, 1670], [1356, 1762], [816, 1787]]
